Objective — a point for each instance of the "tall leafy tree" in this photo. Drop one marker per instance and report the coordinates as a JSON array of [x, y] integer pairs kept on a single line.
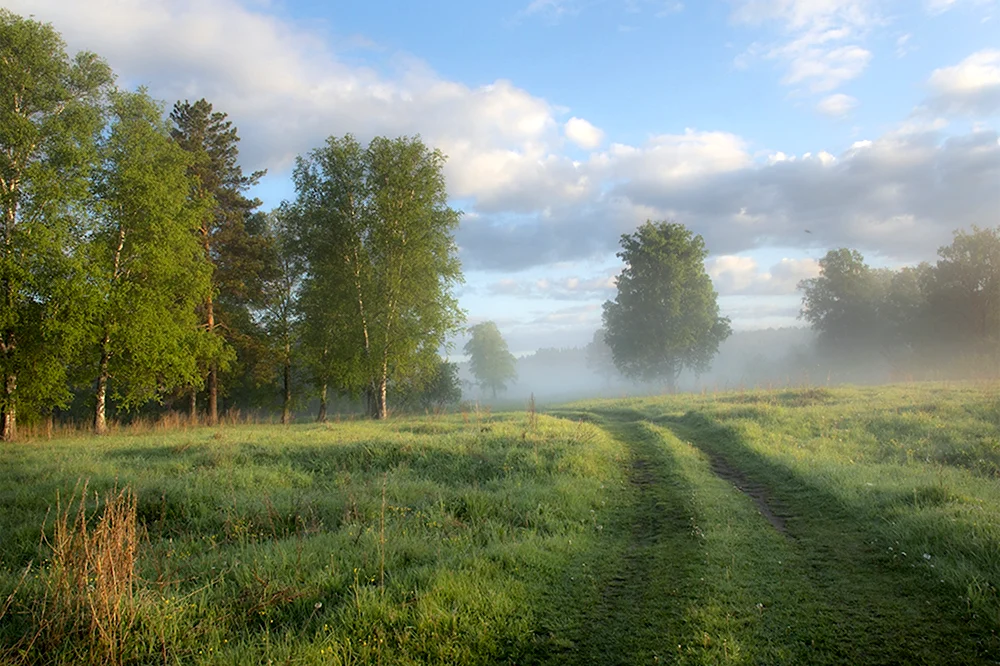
[[490, 360], [50, 118], [238, 257], [148, 266], [280, 305], [665, 316], [382, 260]]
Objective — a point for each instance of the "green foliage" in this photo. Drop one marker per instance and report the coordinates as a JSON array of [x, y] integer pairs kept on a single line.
[[842, 304], [50, 117], [147, 264], [239, 257], [665, 316], [378, 238], [436, 389], [927, 317], [490, 360]]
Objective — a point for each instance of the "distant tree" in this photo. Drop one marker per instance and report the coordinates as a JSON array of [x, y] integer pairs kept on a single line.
[[842, 304], [147, 265], [600, 360], [963, 293], [378, 238], [490, 360], [665, 317], [238, 258], [50, 119], [904, 315], [439, 387]]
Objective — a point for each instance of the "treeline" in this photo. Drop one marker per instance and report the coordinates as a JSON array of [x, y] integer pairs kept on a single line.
[[136, 271], [930, 320]]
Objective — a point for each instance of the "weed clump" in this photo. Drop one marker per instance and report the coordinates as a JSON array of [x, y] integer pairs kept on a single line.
[[88, 602]]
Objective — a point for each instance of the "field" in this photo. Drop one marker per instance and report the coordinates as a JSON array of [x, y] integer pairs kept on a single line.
[[816, 526]]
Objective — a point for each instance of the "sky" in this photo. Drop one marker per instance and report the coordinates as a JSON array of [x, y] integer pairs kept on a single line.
[[776, 129]]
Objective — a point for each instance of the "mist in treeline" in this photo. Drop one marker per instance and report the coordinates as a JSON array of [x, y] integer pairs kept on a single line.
[[861, 325]]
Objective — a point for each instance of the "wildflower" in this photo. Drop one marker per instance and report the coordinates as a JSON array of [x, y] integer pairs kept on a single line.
[[927, 556]]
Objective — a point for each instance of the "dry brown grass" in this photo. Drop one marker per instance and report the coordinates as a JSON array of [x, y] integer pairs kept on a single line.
[[90, 599]]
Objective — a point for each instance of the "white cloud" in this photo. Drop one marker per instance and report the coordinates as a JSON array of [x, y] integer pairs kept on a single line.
[[820, 44], [583, 134], [837, 105], [599, 287], [286, 91], [735, 274], [941, 6], [972, 87]]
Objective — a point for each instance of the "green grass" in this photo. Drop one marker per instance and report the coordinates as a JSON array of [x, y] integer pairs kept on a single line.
[[610, 532]]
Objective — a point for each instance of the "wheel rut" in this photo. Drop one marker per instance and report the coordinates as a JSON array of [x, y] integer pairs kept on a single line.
[[638, 604], [758, 493]]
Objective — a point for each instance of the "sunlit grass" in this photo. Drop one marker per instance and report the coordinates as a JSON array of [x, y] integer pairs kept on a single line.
[[604, 532], [418, 541]]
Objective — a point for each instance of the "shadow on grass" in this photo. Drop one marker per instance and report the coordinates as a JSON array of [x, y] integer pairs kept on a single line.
[[873, 608]]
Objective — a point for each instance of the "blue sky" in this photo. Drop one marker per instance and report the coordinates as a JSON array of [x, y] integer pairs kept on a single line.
[[872, 123]]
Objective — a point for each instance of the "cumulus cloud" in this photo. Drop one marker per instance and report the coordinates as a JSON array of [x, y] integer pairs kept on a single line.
[[599, 287], [820, 42], [583, 134], [287, 90], [972, 87], [741, 275], [900, 195], [837, 106]]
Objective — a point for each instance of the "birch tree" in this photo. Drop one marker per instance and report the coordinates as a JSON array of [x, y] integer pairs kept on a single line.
[[50, 118], [147, 263], [378, 238]]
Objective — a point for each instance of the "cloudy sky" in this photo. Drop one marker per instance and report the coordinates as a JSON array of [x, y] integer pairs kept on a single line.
[[777, 129]]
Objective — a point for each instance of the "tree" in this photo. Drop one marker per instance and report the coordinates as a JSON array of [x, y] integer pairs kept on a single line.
[[842, 304], [435, 389], [147, 264], [491, 362], [378, 238], [665, 316], [281, 289], [600, 360], [238, 258], [50, 118], [963, 294]]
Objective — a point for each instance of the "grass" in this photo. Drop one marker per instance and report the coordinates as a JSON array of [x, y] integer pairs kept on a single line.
[[626, 531]]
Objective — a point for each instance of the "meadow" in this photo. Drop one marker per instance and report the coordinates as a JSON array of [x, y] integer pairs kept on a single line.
[[849, 525]]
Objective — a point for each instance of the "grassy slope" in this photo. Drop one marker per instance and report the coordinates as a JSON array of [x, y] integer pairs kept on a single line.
[[600, 536]]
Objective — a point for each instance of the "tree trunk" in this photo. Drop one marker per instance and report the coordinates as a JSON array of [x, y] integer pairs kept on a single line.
[[193, 406], [286, 406], [213, 368], [376, 400], [321, 417], [100, 417], [49, 423], [8, 421]]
